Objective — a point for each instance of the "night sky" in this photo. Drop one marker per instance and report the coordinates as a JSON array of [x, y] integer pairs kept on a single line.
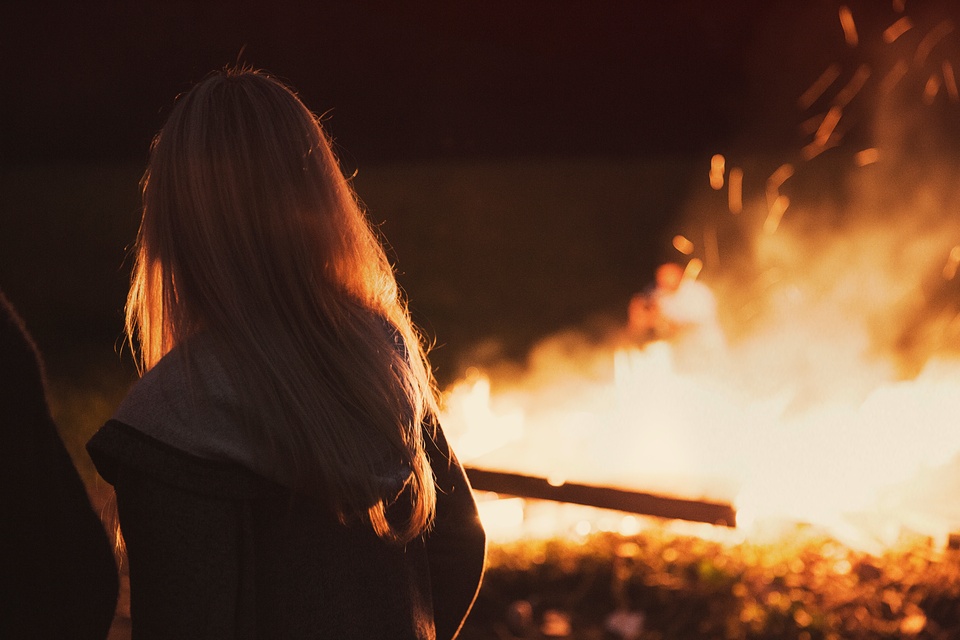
[[399, 83], [413, 80], [399, 80]]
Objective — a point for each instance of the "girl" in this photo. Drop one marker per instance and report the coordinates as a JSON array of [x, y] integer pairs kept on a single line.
[[279, 469]]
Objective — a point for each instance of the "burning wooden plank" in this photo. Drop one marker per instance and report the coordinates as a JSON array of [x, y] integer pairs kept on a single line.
[[523, 486]]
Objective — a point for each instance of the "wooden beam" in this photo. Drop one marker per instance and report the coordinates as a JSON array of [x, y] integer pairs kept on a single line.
[[515, 484]]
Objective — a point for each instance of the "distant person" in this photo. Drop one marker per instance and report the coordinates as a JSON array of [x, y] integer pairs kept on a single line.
[[681, 310], [279, 468], [58, 578]]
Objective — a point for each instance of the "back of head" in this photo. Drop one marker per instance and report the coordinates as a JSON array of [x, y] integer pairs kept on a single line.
[[243, 201], [251, 236]]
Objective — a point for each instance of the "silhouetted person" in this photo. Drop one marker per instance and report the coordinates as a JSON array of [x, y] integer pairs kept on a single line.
[[279, 468], [58, 578]]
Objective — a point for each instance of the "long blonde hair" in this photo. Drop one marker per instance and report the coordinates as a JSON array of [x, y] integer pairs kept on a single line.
[[252, 236]]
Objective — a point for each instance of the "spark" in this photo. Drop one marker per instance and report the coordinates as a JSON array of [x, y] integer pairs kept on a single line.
[[829, 124], [814, 149], [683, 245], [953, 261], [849, 27], [894, 76], [777, 209], [717, 168], [931, 89], [814, 91], [852, 88], [867, 156], [950, 81], [931, 40], [776, 180], [735, 191], [809, 126], [897, 29], [711, 247], [693, 269]]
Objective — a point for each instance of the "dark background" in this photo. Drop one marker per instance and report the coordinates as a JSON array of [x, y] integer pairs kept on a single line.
[[400, 80], [528, 160]]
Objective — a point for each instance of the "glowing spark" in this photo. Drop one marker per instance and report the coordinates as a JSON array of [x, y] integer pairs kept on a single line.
[[899, 5], [776, 180], [897, 29], [950, 81], [711, 247], [693, 269], [814, 149], [931, 89], [849, 27], [867, 156], [953, 261], [735, 190], [931, 40], [828, 125], [778, 177], [814, 91], [894, 76], [809, 126], [717, 168], [779, 207], [853, 87], [682, 245]]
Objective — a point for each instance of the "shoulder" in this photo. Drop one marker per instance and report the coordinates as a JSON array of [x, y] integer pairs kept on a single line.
[[119, 447], [187, 401]]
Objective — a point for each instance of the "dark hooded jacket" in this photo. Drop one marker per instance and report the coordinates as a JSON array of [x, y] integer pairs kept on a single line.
[[219, 546]]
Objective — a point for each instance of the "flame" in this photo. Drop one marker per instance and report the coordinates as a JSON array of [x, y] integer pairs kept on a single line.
[[814, 378], [799, 416]]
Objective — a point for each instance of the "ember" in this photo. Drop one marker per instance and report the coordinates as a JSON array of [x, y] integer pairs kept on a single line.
[[808, 586]]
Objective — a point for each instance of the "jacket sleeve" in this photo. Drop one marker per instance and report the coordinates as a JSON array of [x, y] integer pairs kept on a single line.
[[456, 545], [184, 543], [183, 551]]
